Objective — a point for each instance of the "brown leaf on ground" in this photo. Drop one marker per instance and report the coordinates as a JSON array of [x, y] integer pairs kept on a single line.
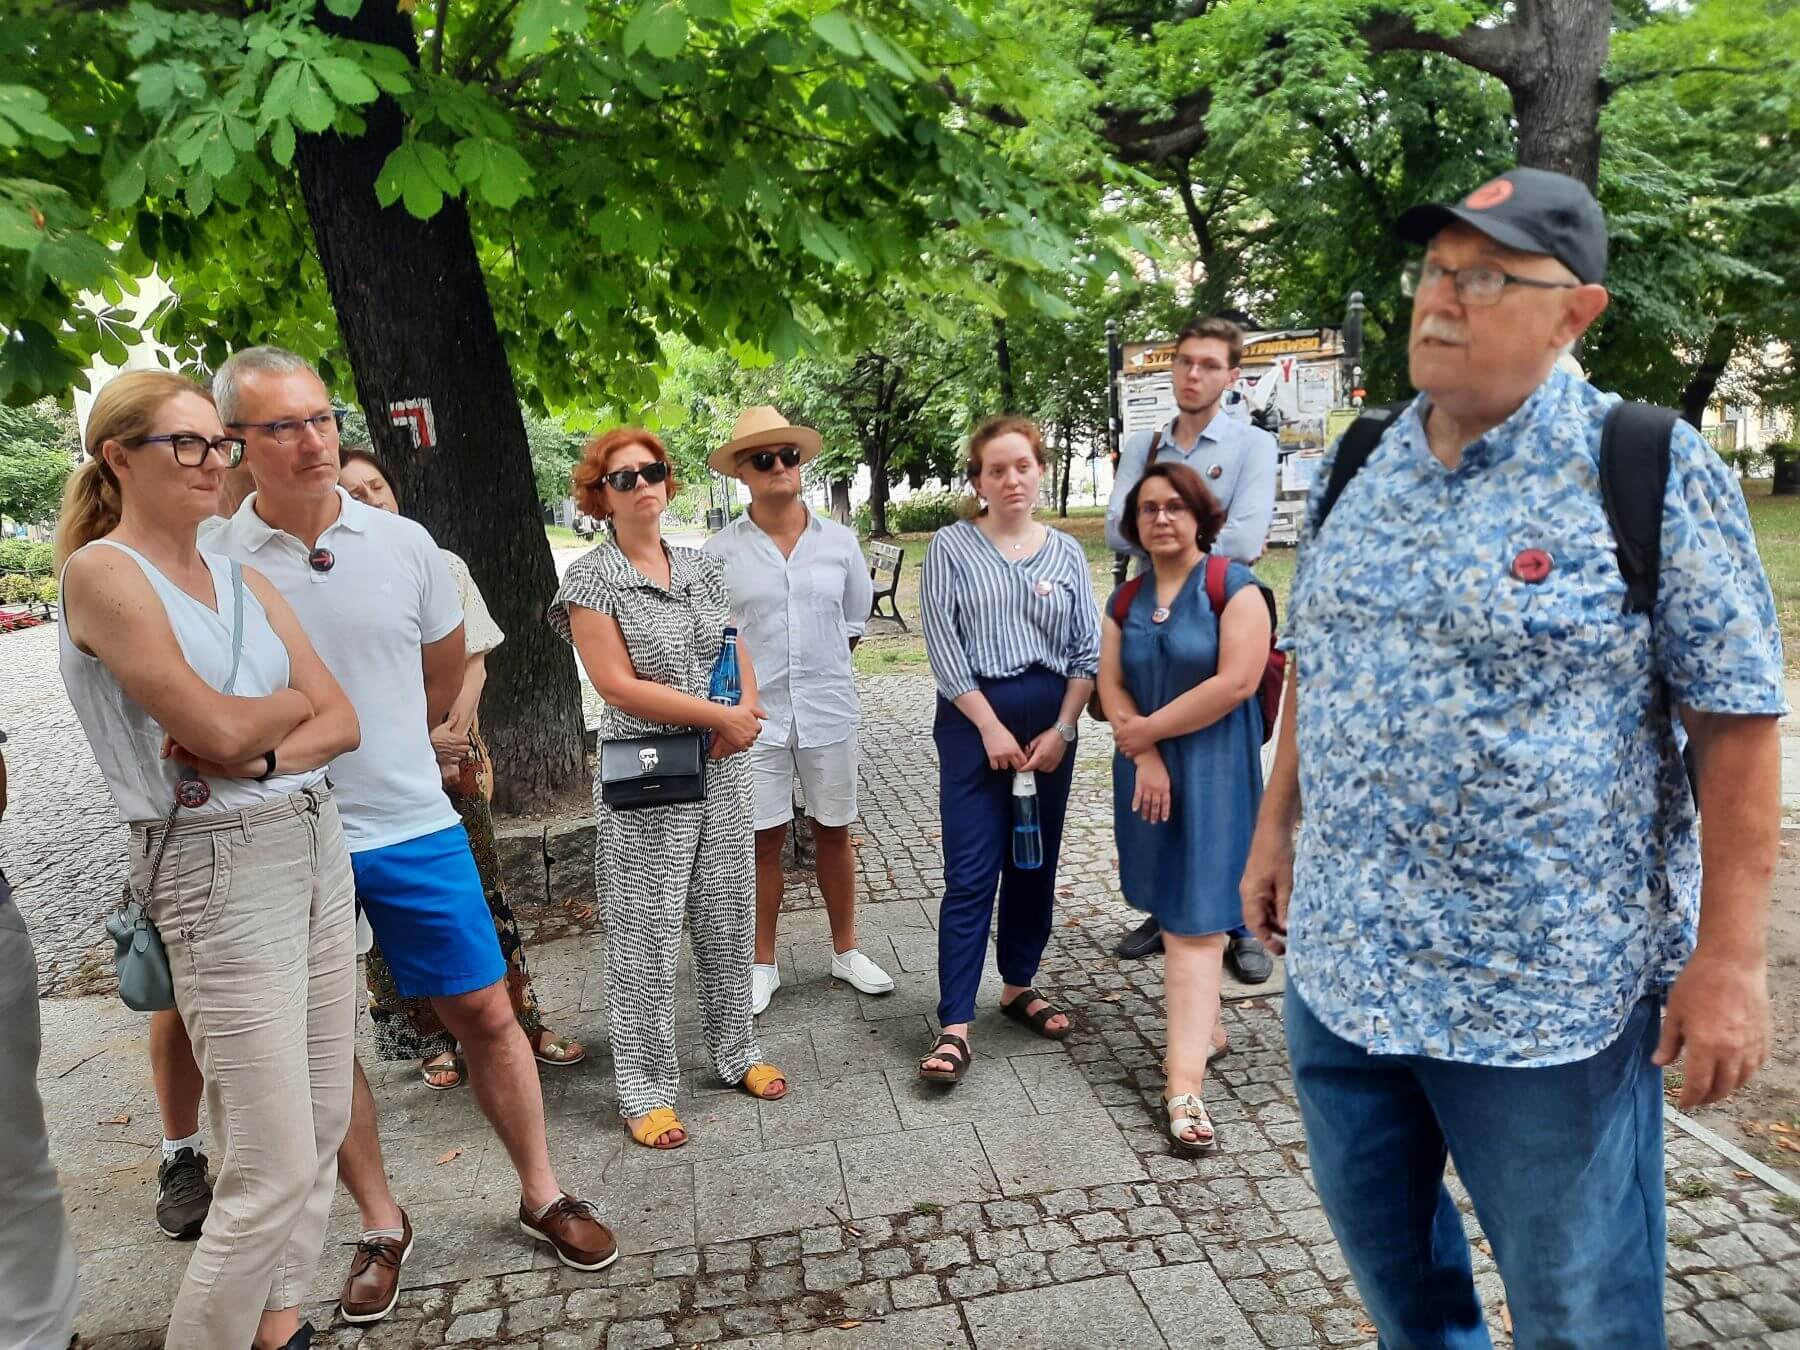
[[1788, 1145], [117, 1120], [1777, 1127], [1744, 1176], [848, 1324], [449, 1157], [1506, 1318], [1365, 1328]]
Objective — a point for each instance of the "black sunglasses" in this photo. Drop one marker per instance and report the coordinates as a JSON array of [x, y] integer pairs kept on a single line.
[[764, 460], [624, 480]]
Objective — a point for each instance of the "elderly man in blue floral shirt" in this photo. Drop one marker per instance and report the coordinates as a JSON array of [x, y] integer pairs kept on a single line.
[[1497, 922]]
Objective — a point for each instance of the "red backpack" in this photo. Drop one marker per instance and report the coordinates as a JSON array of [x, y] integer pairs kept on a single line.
[[1268, 693]]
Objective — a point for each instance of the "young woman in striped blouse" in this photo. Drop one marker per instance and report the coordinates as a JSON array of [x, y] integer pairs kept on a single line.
[[1013, 634]]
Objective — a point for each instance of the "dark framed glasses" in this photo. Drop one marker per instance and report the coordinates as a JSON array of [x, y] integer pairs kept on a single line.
[[191, 448], [1477, 287], [764, 460], [624, 480]]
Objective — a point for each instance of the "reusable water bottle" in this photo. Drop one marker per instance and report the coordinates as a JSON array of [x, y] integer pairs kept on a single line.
[[725, 686], [1028, 839]]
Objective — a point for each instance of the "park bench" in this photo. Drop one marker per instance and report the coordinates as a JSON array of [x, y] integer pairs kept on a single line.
[[884, 571]]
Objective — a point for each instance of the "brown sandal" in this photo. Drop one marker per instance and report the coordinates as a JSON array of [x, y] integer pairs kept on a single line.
[[1039, 1020], [951, 1040]]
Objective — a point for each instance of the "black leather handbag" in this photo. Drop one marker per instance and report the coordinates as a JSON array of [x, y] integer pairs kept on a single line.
[[640, 771]]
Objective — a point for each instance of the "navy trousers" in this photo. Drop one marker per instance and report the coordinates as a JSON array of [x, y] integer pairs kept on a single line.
[[975, 804]]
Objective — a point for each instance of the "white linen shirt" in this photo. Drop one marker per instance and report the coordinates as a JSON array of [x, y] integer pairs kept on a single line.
[[797, 615], [387, 595]]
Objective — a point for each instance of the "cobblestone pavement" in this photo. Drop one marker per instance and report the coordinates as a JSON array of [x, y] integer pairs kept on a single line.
[[1036, 1205]]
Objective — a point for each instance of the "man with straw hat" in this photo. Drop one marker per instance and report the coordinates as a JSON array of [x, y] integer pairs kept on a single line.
[[800, 591]]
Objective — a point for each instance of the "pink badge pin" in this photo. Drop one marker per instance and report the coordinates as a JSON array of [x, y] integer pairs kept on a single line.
[[1532, 566]]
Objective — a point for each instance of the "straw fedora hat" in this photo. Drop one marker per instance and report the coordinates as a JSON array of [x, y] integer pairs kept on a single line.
[[761, 427]]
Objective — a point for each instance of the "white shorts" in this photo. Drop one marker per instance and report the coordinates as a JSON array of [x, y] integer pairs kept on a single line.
[[827, 777]]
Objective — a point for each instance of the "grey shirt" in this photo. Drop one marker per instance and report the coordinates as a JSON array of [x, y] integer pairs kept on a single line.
[[1235, 460]]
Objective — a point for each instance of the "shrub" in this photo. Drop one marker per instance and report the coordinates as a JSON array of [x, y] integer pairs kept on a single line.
[[47, 591], [21, 555], [17, 589], [924, 511]]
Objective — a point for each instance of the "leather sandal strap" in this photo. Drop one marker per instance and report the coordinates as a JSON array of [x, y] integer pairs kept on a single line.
[[657, 1122], [759, 1078]]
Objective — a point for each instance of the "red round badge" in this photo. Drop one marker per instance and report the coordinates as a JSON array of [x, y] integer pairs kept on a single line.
[[1532, 566], [1489, 194]]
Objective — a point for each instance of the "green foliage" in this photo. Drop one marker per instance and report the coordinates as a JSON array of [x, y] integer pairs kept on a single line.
[[921, 513], [554, 452], [37, 449], [47, 591], [21, 555], [740, 175], [17, 589]]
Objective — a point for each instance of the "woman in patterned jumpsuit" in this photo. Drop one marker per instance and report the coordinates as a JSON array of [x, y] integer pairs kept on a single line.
[[647, 621]]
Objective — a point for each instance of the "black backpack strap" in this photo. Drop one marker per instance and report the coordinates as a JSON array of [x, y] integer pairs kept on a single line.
[[1634, 477], [1354, 449]]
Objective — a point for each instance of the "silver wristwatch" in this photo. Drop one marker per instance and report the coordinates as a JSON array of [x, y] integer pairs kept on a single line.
[[1067, 731]]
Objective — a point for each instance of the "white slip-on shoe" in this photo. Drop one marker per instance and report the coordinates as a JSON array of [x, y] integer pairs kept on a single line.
[[764, 981], [857, 971]]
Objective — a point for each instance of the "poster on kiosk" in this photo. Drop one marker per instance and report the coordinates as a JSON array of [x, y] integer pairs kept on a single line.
[[1295, 385]]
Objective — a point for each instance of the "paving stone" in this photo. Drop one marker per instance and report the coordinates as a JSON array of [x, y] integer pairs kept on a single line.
[[586, 1303], [698, 1330], [727, 1257], [1097, 1227], [942, 1253], [1152, 1222], [475, 1326], [893, 1173], [869, 1299], [534, 1314], [914, 1292], [888, 1263], [1282, 1329], [647, 1300], [1031, 1154], [769, 1192], [720, 1291], [526, 1284], [1014, 1213], [778, 1251], [778, 1282], [926, 1329], [1075, 1263], [825, 1274], [1192, 1309], [1098, 1314], [972, 1281], [1730, 1319], [638, 1336], [1023, 1271]]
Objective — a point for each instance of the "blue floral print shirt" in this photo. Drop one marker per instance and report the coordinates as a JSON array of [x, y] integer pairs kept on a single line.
[[1498, 855]]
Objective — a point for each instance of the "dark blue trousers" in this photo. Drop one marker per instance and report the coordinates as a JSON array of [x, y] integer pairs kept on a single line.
[[975, 804]]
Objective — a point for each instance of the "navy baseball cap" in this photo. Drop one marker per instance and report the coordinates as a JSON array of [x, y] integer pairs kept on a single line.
[[1531, 210]]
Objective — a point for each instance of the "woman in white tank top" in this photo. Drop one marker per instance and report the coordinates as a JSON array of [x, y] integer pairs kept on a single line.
[[253, 898]]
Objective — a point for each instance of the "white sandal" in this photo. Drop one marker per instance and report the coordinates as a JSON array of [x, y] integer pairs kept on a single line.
[[1188, 1112]]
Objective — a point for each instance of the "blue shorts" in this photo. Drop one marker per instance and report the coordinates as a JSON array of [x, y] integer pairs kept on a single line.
[[425, 902]]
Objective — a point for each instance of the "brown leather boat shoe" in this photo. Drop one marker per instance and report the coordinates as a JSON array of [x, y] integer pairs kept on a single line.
[[374, 1284], [574, 1229]]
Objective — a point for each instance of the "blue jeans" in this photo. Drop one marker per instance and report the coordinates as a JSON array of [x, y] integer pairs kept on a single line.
[[1564, 1164]]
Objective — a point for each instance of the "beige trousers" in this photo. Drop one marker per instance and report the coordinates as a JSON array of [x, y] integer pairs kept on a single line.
[[256, 909]]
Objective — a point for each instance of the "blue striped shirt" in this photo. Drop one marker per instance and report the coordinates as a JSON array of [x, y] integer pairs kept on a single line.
[[988, 618]]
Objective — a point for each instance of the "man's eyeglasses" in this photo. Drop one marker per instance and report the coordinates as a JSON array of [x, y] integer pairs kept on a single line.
[[624, 480], [764, 460], [288, 433], [1475, 286], [1162, 510], [191, 448]]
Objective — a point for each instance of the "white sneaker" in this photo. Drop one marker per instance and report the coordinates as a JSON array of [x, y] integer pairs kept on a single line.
[[856, 970], [764, 981]]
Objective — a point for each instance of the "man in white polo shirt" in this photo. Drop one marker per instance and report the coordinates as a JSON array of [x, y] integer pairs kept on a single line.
[[373, 593], [800, 591]]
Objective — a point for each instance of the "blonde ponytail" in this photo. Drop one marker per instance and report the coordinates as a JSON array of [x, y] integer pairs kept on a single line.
[[90, 509], [124, 410]]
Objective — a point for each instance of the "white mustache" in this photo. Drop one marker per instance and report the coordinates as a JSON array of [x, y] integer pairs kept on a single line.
[[1440, 329]]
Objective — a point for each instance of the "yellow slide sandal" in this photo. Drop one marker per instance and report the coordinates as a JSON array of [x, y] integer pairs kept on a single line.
[[760, 1078], [658, 1122]]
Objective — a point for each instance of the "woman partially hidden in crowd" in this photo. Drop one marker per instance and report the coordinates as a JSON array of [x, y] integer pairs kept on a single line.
[[1014, 643], [648, 622], [194, 683], [407, 1028], [1181, 656]]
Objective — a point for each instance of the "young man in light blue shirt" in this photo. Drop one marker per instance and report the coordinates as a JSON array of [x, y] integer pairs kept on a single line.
[[1236, 461]]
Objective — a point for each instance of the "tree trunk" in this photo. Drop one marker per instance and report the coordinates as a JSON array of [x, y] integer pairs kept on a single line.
[[1003, 363], [1068, 470], [1705, 380], [1558, 93], [413, 310], [876, 456]]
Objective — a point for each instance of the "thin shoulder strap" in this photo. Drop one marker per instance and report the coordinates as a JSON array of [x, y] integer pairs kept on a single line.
[[1354, 449], [1634, 477], [237, 625]]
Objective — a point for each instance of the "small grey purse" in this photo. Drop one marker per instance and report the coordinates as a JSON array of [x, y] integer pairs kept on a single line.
[[139, 958]]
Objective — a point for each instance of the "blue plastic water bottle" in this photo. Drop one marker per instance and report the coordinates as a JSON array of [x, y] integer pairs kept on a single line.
[[725, 686], [1028, 839]]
